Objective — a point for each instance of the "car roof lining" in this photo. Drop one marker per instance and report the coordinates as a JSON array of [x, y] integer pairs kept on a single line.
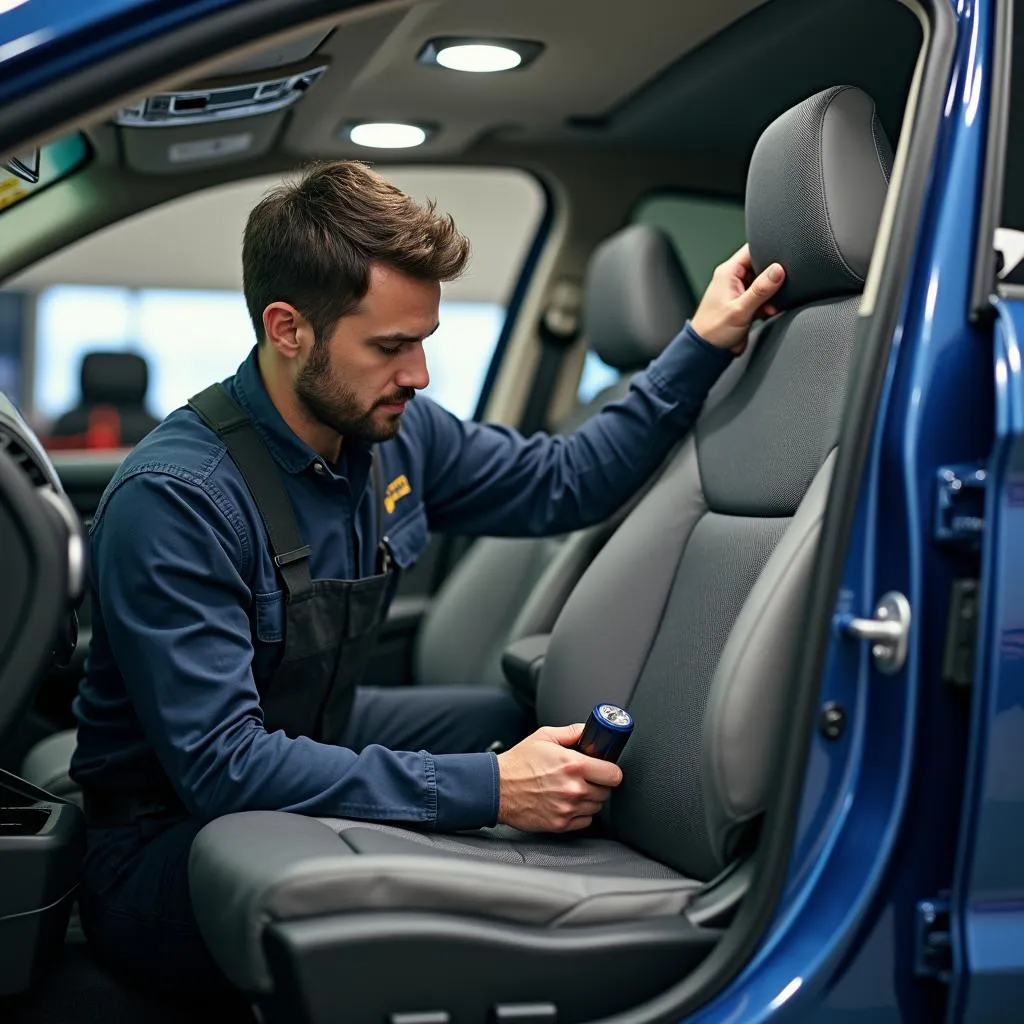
[[717, 96]]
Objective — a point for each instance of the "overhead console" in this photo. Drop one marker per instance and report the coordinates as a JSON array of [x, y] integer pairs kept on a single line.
[[233, 116], [258, 94]]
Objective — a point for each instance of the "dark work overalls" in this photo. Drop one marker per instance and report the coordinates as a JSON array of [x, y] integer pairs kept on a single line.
[[330, 625], [330, 628]]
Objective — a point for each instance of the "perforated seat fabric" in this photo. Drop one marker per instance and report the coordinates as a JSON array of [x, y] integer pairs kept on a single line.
[[342, 866], [691, 614]]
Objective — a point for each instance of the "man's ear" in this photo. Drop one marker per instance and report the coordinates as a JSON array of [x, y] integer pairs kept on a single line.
[[286, 329]]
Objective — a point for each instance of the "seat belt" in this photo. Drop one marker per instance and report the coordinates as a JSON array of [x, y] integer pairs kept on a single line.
[[558, 329]]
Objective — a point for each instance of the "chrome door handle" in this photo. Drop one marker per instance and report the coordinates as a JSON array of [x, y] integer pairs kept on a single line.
[[888, 632]]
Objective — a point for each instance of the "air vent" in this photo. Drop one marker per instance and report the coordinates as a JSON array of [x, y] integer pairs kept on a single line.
[[22, 457]]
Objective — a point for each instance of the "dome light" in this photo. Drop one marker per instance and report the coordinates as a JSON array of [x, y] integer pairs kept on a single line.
[[479, 57], [387, 135]]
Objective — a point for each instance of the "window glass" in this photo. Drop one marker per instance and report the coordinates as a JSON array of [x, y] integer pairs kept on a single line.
[[34, 169], [704, 231], [191, 338], [181, 307]]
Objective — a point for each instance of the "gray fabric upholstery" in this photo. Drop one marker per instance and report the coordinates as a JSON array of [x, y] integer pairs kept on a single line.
[[295, 867], [469, 621], [661, 806], [636, 297], [815, 190], [584, 854], [787, 403], [47, 765], [609, 623], [746, 714]]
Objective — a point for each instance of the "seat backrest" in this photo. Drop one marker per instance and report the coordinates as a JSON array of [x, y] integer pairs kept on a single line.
[[116, 382], [636, 299], [691, 615]]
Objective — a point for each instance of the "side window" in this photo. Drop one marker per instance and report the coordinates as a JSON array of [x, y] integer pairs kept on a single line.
[[704, 231], [165, 286]]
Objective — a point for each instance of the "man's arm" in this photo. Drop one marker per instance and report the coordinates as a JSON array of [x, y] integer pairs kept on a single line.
[[482, 478], [173, 600]]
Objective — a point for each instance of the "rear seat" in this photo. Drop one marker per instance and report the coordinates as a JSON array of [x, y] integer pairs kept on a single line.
[[637, 298], [691, 614]]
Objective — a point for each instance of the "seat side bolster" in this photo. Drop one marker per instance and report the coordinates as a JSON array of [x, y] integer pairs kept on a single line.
[[236, 865], [745, 716]]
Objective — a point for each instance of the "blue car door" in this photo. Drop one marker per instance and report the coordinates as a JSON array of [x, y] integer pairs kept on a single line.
[[987, 904]]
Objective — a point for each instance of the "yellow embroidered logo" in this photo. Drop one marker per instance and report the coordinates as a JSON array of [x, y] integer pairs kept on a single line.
[[398, 488]]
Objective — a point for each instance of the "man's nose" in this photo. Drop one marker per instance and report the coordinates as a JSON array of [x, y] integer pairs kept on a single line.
[[413, 371]]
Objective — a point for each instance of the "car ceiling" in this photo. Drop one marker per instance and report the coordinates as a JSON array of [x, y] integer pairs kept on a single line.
[[699, 79], [672, 95]]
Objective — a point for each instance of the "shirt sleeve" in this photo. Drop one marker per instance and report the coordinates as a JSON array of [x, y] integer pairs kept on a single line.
[[174, 605], [486, 479]]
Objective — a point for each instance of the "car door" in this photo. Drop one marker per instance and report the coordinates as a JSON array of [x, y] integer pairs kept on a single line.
[[987, 922]]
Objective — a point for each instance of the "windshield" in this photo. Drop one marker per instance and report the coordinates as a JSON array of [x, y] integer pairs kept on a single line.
[[26, 173]]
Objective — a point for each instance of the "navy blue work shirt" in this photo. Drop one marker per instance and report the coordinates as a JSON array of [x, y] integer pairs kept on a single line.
[[186, 601]]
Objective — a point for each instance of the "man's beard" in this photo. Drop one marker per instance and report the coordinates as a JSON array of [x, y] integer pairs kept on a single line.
[[336, 405]]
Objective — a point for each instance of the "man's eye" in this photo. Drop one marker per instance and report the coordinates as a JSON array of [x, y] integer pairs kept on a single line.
[[389, 350]]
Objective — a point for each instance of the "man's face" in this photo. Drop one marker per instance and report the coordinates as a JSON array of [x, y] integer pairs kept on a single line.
[[358, 380]]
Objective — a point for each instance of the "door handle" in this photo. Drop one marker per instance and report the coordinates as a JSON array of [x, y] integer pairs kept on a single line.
[[888, 632]]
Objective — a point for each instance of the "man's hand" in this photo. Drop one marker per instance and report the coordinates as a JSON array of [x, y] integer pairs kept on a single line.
[[735, 299], [546, 787]]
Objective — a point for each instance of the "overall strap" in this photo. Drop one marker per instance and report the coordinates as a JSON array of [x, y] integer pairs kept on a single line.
[[219, 411], [380, 496]]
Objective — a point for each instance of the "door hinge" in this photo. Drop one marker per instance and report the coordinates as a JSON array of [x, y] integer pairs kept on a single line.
[[960, 504], [933, 950]]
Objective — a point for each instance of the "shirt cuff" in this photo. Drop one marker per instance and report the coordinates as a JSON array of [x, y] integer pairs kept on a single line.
[[688, 363], [467, 791]]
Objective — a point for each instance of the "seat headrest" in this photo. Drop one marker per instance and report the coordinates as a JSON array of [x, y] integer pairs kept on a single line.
[[636, 297], [117, 378], [815, 190]]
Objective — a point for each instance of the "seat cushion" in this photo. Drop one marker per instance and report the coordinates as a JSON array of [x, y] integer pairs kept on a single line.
[[307, 867], [48, 763]]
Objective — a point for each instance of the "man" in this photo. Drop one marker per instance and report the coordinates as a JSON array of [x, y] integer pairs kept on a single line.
[[246, 552]]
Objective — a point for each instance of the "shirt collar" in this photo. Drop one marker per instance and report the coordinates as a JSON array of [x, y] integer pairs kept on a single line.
[[290, 452]]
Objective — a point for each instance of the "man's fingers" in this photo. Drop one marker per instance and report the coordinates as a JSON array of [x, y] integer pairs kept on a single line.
[[564, 735], [764, 286], [602, 773], [578, 823], [598, 793], [739, 263]]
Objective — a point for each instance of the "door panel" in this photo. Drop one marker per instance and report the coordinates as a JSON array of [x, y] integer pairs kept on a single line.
[[988, 900]]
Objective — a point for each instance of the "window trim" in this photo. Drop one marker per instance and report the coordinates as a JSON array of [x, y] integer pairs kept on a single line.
[[985, 284], [519, 291]]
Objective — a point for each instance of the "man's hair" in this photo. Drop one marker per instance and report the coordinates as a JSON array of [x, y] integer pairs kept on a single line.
[[310, 243]]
